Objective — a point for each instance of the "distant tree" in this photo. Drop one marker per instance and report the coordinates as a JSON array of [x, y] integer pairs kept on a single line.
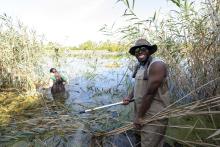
[[88, 45]]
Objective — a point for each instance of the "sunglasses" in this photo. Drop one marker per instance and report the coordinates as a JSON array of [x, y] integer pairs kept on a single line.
[[140, 49]]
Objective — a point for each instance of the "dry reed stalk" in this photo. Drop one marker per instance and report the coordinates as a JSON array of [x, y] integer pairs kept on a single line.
[[183, 127]]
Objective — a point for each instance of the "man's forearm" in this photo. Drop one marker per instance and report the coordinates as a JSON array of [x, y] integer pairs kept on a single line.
[[131, 94], [148, 97], [145, 105]]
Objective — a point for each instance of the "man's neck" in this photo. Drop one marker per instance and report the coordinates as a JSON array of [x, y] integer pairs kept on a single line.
[[142, 63]]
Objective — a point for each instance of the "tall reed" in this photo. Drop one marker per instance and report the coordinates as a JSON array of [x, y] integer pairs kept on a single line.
[[188, 39], [21, 51]]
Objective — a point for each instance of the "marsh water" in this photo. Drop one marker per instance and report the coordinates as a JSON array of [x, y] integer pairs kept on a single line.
[[92, 82]]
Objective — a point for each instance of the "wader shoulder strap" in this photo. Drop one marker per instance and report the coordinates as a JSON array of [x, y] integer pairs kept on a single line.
[[146, 67], [137, 66]]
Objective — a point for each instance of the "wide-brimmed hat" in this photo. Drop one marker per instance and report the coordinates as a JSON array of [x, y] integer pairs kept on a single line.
[[143, 43]]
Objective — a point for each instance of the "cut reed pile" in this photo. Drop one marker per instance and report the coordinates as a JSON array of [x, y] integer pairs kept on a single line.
[[32, 116], [202, 107], [12, 104]]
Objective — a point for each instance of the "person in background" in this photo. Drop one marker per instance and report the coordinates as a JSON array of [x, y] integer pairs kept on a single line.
[[57, 83], [150, 93]]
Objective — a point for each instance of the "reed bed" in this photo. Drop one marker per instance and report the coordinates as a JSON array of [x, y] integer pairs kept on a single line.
[[20, 57], [188, 40]]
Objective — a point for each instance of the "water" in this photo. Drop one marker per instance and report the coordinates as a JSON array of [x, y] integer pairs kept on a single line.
[[92, 82]]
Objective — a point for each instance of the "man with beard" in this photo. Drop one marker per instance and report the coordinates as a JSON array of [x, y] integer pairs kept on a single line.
[[150, 93]]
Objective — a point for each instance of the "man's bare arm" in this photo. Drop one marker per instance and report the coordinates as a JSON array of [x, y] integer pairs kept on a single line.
[[156, 76], [131, 94]]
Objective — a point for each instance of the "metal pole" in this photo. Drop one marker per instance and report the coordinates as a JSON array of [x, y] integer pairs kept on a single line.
[[105, 106]]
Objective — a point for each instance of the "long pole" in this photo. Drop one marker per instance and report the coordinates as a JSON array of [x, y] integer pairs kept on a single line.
[[101, 107]]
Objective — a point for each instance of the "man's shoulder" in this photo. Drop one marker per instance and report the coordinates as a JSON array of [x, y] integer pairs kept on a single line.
[[157, 59], [156, 63]]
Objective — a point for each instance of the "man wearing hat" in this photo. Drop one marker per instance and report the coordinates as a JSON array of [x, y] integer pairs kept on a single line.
[[150, 93]]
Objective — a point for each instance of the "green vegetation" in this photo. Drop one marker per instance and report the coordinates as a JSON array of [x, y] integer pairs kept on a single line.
[[21, 52], [193, 128], [20, 70], [13, 103], [107, 45]]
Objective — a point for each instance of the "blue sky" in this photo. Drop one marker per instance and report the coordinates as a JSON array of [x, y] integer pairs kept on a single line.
[[71, 22]]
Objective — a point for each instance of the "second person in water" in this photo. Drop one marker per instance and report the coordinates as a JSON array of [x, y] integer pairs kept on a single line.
[[57, 83]]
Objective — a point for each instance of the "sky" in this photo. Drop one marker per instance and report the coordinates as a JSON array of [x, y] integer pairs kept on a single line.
[[72, 22]]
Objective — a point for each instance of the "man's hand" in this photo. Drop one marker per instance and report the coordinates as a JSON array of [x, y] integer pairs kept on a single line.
[[138, 123], [126, 100]]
